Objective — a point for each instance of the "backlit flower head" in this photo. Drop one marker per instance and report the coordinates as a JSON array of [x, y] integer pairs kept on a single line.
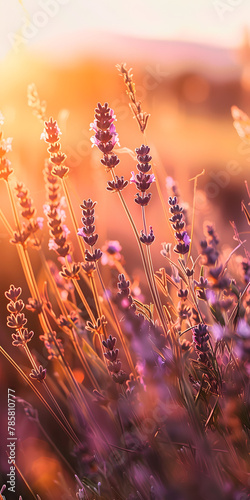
[[111, 252], [105, 137]]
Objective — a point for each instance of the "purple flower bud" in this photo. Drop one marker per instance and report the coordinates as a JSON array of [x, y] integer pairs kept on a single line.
[[176, 218], [94, 257], [183, 294], [88, 204], [123, 284], [176, 209], [110, 161], [111, 355], [202, 283], [143, 150], [120, 377], [147, 239], [117, 185], [39, 374], [105, 137], [201, 337], [16, 320], [172, 201], [143, 200], [178, 226], [15, 307], [144, 167], [181, 248], [88, 221], [115, 367], [142, 181], [88, 267], [109, 343], [216, 271], [13, 293], [91, 240]]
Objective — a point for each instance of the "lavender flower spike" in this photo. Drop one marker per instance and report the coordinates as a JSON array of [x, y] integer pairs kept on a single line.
[[105, 137], [147, 239]]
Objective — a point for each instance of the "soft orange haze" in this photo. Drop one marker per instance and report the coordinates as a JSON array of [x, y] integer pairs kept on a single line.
[[191, 63]]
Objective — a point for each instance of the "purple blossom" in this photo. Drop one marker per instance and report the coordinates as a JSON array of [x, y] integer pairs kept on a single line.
[[186, 239], [81, 232], [118, 185], [138, 179], [147, 239], [143, 200], [111, 252], [94, 257], [38, 374], [201, 338], [105, 137]]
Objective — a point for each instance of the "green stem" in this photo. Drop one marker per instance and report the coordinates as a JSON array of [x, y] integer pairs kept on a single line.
[[118, 328], [36, 391], [144, 261]]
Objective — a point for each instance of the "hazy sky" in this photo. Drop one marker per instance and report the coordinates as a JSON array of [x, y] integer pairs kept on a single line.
[[34, 23]]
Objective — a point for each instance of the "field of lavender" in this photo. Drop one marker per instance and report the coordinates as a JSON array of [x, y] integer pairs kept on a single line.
[[124, 384]]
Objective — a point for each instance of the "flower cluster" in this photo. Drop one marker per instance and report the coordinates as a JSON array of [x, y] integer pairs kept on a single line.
[[54, 210], [96, 327], [140, 116], [205, 356], [51, 135], [111, 253], [38, 374], [33, 224], [217, 278], [200, 287], [178, 224], [143, 180], [147, 239], [184, 311], [114, 364], [71, 274], [34, 305], [58, 232], [52, 344], [105, 137], [87, 232], [117, 185], [20, 237], [124, 298], [209, 250], [201, 338], [52, 185], [17, 319], [210, 233]]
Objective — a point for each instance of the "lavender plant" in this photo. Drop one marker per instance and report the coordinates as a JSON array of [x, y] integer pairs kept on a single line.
[[150, 397]]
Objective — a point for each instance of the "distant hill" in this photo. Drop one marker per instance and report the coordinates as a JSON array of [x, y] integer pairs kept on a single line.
[[218, 63]]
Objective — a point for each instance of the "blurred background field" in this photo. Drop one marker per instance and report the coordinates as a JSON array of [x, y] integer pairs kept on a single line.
[[187, 88], [191, 63], [186, 77]]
